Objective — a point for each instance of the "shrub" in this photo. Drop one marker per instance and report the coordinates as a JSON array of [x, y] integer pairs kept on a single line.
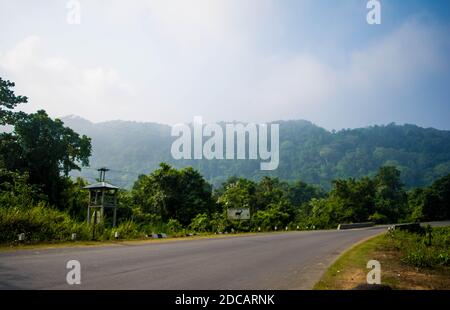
[[128, 230], [417, 250], [39, 223], [200, 223], [174, 226]]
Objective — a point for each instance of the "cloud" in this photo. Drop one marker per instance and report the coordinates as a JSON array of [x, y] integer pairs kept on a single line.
[[194, 23], [227, 60], [405, 56], [55, 84], [373, 79]]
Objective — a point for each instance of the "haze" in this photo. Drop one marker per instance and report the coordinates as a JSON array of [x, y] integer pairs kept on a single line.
[[253, 60]]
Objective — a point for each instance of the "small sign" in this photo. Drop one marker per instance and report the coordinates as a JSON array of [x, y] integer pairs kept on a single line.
[[238, 214]]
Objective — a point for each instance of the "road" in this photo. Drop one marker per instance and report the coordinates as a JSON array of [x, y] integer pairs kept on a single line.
[[291, 260]]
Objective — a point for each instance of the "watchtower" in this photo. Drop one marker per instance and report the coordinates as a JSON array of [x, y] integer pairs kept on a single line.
[[102, 195]]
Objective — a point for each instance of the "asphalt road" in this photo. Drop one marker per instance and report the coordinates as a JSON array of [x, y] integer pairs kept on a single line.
[[292, 260]]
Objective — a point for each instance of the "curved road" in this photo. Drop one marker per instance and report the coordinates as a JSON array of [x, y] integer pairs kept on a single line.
[[292, 260]]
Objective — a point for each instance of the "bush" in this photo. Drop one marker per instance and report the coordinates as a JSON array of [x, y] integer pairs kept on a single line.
[[200, 223], [378, 218], [128, 230], [275, 215], [39, 223], [419, 252], [174, 226]]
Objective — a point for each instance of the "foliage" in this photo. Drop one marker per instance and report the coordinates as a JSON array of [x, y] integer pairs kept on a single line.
[[418, 252], [8, 101], [173, 194], [431, 203], [45, 150], [366, 168], [128, 230], [15, 190], [380, 199], [276, 215], [239, 194], [174, 226], [307, 152], [40, 149], [39, 223], [200, 223]]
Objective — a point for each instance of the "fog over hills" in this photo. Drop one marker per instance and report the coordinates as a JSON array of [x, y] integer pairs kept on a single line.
[[307, 152]]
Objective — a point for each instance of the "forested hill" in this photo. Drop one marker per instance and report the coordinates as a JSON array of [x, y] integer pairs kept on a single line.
[[307, 152]]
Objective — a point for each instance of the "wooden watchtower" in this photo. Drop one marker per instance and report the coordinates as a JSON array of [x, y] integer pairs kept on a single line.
[[102, 195]]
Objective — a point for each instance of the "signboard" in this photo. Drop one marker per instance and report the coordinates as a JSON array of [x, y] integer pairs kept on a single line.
[[238, 214]]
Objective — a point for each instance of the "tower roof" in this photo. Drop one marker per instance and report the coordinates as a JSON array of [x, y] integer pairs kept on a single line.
[[101, 185]]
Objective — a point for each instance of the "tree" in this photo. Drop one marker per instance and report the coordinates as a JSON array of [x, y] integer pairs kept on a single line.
[[8, 101], [173, 194], [390, 197], [45, 150], [431, 203], [442, 188], [276, 214], [240, 194], [270, 191], [352, 200], [300, 192], [76, 199]]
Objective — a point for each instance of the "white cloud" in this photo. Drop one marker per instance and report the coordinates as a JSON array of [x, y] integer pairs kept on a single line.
[[55, 84], [215, 59], [405, 56], [304, 86], [195, 23]]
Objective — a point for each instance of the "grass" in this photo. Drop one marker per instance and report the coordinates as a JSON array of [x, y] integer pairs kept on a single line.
[[112, 242], [405, 263], [82, 243]]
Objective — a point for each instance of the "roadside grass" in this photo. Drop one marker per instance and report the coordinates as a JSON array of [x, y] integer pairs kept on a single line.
[[120, 242], [43, 245], [406, 262]]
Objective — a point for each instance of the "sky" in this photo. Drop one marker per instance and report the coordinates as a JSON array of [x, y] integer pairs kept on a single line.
[[167, 61]]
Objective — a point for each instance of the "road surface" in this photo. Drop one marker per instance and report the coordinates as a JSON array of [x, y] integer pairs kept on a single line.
[[292, 260]]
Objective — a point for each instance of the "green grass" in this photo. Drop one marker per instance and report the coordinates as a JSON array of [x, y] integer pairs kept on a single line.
[[408, 261], [112, 242], [423, 250], [356, 257]]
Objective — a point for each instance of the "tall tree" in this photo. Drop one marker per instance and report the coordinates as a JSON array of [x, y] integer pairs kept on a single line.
[[45, 150], [8, 101], [173, 194], [390, 197]]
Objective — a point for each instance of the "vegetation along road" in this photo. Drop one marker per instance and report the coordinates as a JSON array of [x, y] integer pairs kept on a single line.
[[291, 260]]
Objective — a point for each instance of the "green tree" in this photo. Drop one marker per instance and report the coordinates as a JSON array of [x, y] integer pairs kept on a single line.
[[173, 194], [76, 198], [352, 200], [431, 203], [390, 197], [45, 150], [300, 192], [270, 191], [8, 101], [276, 214], [240, 194]]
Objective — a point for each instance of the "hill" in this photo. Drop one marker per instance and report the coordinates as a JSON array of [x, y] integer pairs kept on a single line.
[[307, 152]]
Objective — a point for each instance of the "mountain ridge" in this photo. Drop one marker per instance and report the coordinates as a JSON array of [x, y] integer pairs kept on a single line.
[[307, 152]]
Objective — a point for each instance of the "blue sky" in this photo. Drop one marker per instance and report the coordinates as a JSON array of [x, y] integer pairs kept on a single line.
[[247, 60]]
